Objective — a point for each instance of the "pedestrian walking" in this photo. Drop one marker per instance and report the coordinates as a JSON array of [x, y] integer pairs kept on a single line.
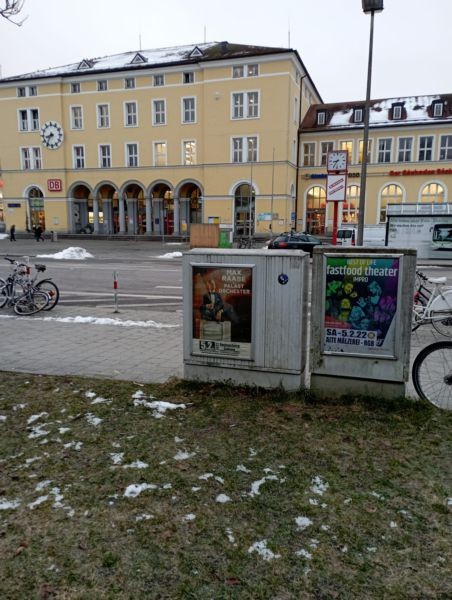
[[12, 233], [38, 234]]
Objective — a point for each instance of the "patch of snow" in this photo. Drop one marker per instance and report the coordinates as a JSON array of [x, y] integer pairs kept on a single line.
[[182, 455], [19, 406], [89, 394], [158, 407], [170, 255], [262, 550], [76, 445], [34, 418], [222, 498], [189, 517], [2, 418], [93, 420], [37, 432], [9, 504], [195, 488], [100, 400], [144, 517], [42, 484], [72, 253], [37, 502], [242, 469], [117, 457], [135, 489], [302, 523], [304, 553], [138, 464], [393, 525], [255, 486], [230, 535], [62, 430], [105, 321], [318, 486]]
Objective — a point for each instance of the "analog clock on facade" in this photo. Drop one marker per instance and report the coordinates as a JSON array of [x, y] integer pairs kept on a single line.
[[52, 135], [337, 160]]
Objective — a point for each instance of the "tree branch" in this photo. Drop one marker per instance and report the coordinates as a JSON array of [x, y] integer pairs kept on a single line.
[[11, 9]]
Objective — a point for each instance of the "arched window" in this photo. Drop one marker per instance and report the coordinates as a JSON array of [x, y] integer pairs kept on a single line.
[[391, 194], [351, 205], [432, 192], [36, 215], [244, 209], [315, 210]]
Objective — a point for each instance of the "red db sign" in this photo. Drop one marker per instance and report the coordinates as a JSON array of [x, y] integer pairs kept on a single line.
[[54, 185]]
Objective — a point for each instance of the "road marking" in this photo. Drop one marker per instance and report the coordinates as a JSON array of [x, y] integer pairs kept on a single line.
[[123, 295]]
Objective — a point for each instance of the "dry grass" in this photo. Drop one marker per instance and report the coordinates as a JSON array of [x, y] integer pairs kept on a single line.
[[369, 481]]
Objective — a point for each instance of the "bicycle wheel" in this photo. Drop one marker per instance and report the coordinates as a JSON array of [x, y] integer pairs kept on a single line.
[[432, 374], [31, 302], [52, 290], [441, 314], [3, 293]]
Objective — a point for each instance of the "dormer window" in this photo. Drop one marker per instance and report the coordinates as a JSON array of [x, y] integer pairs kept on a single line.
[[196, 52], [438, 109], [85, 64], [397, 111], [358, 114], [138, 59], [321, 117]]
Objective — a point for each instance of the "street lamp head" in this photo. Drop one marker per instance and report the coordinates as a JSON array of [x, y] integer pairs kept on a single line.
[[370, 6]]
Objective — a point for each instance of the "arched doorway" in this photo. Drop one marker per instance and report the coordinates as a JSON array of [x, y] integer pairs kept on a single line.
[[315, 210], [190, 206], [244, 210], [163, 208], [107, 204], [35, 210], [82, 217], [134, 209]]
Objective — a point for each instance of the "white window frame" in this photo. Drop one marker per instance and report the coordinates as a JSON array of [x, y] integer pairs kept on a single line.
[[105, 160], [238, 71], [397, 112], [74, 118], [31, 121], [32, 90], [30, 158], [131, 157], [156, 113], [130, 118], [321, 117], [244, 107], [407, 153], [248, 70], [344, 145], [156, 155], [358, 115], [21, 91], [361, 151], [381, 153], [78, 160], [75, 87], [186, 151], [309, 151], [438, 109], [188, 77], [325, 147], [430, 149], [188, 111], [100, 117], [244, 149], [102, 85], [129, 83], [445, 145], [157, 78]]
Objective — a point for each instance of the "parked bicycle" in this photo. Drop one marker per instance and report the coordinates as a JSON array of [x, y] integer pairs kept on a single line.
[[432, 374], [432, 305], [17, 292], [44, 285], [246, 242]]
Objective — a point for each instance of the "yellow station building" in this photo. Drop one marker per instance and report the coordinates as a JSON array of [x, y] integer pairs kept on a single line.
[[149, 142]]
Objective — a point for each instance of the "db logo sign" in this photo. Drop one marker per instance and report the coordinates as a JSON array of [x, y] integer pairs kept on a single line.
[[54, 185]]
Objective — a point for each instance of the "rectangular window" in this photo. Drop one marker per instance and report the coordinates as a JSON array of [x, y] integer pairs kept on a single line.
[[251, 144], [29, 119], [245, 105], [31, 158], [361, 148], [325, 147], [244, 149], [32, 90], [238, 71], [253, 105], [445, 149], [405, 149], [130, 114], [188, 110], [426, 147], [79, 157], [237, 150], [253, 70], [160, 154], [397, 112], [309, 154], [437, 109], [75, 88], [132, 155], [158, 109], [21, 92], [105, 156], [102, 85], [129, 83], [237, 106], [159, 80], [23, 120], [188, 77], [384, 150], [321, 117], [189, 152], [358, 115], [76, 117], [296, 112], [347, 145], [103, 116]]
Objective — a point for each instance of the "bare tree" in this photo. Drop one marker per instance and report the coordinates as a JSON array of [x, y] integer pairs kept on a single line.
[[9, 9]]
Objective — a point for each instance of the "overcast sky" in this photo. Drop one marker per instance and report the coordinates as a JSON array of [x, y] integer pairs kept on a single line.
[[412, 39]]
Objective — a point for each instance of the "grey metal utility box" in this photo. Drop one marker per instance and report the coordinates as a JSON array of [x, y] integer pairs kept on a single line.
[[245, 316], [362, 301]]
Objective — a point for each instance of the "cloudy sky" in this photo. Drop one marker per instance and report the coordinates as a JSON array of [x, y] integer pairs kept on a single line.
[[412, 41]]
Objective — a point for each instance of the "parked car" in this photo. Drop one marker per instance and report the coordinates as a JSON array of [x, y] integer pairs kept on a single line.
[[294, 241]]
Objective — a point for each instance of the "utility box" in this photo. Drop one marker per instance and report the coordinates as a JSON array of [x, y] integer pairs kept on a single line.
[[361, 320], [245, 316]]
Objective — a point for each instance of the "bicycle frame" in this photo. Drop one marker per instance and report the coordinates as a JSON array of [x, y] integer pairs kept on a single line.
[[432, 305]]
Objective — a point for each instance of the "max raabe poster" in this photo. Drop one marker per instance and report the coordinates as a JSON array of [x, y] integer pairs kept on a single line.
[[361, 305], [222, 304]]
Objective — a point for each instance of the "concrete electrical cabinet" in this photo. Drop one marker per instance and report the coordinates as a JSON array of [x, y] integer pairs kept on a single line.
[[245, 316], [362, 302]]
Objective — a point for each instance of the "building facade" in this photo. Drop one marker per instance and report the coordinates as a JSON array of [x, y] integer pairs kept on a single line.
[[150, 142], [409, 158]]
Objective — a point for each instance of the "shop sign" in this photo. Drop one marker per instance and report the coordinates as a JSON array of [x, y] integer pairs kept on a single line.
[[222, 311], [54, 185], [421, 172], [360, 299]]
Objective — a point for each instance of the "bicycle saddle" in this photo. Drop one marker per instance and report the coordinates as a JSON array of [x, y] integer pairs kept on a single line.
[[40, 268]]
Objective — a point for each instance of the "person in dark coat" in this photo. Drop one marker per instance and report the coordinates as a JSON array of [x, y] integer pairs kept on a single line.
[[38, 233], [12, 233]]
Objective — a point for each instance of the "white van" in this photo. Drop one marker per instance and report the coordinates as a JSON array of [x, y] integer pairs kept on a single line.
[[373, 235], [346, 237]]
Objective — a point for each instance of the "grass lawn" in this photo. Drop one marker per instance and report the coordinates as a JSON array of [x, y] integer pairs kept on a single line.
[[119, 490]]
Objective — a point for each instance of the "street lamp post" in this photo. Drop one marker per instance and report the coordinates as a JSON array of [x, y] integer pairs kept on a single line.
[[369, 6]]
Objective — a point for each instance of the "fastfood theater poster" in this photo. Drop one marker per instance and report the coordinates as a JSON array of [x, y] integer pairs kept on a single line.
[[361, 305], [222, 311]]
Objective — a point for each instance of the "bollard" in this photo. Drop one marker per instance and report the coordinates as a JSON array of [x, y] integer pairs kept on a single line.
[[115, 288]]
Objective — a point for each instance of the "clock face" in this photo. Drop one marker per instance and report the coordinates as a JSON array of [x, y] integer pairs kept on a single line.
[[52, 135], [337, 161]]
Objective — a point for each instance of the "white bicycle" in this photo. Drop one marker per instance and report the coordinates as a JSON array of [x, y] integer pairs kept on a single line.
[[433, 305]]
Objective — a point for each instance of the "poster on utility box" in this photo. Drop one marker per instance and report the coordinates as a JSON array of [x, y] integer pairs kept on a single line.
[[222, 311], [361, 305]]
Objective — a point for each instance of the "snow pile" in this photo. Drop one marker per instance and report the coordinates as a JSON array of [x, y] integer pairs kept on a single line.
[[170, 255], [72, 253]]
